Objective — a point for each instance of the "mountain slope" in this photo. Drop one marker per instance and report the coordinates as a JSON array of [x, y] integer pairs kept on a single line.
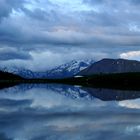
[[69, 69], [25, 73], [112, 66]]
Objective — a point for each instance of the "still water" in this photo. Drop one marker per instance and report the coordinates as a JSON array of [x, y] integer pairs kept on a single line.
[[62, 112]]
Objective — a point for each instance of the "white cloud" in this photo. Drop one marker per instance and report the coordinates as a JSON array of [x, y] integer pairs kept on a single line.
[[130, 104], [131, 55]]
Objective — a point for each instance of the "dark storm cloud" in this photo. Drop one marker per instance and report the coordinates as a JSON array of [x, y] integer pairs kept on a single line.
[[48, 34], [4, 137], [10, 54], [6, 7], [93, 1], [135, 1], [6, 103], [41, 31]]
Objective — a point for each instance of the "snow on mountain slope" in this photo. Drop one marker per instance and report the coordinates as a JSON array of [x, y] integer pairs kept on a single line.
[[69, 69], [62, 71], [25, 73]]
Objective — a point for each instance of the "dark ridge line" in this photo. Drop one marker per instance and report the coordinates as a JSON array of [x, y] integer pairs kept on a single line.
[[123, 81]]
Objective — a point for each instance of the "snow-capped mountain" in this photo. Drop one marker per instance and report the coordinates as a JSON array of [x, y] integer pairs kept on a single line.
[[65, 70], [69, 69]]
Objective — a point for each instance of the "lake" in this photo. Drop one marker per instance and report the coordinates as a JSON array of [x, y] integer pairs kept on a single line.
[[63, 112]]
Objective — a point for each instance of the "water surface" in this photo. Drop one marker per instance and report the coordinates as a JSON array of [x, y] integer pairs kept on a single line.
[[62, 112]]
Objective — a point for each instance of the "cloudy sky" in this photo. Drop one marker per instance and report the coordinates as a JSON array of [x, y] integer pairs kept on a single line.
[[40, 34]]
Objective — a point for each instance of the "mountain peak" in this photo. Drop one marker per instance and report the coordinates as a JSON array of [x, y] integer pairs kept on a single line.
[[112, 66], [69, 69]]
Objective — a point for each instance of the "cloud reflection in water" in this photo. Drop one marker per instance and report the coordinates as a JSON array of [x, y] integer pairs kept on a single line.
[[58, 112]]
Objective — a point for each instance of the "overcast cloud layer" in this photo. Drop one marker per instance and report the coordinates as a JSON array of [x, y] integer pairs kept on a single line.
[[51, 32]]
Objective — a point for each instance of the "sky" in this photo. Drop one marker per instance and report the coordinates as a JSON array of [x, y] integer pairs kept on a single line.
[[41, 34]]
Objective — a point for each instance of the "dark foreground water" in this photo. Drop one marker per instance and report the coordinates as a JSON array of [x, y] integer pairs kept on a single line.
[[60, 112]]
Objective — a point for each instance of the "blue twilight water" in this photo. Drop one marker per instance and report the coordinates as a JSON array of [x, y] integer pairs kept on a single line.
[[62, 112]]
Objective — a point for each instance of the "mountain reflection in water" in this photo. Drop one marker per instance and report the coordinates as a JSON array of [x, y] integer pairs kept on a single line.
[[63, 112]]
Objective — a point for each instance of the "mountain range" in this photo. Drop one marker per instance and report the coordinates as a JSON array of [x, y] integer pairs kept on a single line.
[[63, 71], [79, 68]]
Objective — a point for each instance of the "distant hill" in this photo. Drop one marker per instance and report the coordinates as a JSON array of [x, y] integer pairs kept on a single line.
[[8, 76], [112, 66], [8, 79]]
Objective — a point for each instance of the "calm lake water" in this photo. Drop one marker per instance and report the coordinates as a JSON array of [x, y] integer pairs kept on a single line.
[[62, 112]]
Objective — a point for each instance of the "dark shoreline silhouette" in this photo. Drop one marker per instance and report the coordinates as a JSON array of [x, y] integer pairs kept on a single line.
[[123, 81]]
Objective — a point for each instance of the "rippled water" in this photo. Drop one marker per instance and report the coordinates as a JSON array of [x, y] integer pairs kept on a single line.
[[62, 112]]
